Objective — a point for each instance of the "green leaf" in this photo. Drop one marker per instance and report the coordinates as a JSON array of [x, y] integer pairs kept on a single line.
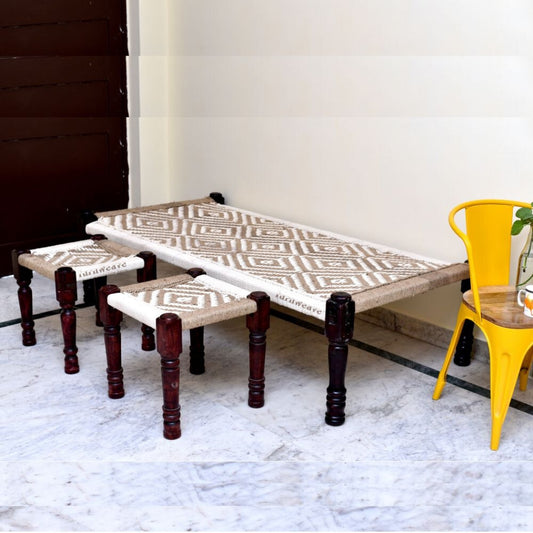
[[524, 213], [517, 227]]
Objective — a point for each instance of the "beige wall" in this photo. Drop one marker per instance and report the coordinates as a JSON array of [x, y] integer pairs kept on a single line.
[[366, 117]]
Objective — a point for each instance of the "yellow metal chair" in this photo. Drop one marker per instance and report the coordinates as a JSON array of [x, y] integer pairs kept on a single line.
[[491, 303]]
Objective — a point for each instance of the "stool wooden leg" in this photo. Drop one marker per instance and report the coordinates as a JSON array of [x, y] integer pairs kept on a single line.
[[340, 311], [111, 318], [23, 277], [147, 273], [197, 351], [258, 323], [66, 295], [169, 346], [98, 283]]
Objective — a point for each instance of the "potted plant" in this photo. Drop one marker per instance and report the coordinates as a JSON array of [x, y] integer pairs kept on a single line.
[[525, 267]]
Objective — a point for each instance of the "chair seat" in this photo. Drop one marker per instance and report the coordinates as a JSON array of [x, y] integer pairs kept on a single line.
[[89, 258], [499, 306]]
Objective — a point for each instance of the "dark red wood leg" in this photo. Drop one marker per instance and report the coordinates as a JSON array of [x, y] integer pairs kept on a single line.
[[112, 318], [147, 273], [340, 314], [89, 296], [23, 277], [258, 323], [169, 346], [217, 197], [66, 295], [98, 283], [197, 351]]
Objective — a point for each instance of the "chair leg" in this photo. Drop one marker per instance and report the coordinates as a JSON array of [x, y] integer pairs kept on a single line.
[[524, 370], [111, 319], [169, 346], [147, 273], [258, 323], [441, 380], [197, 351], [504, 370], [23, 277], [66, 295]]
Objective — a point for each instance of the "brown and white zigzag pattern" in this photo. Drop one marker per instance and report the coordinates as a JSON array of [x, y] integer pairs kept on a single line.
[[291, 256], [87, 255], [183, 297]]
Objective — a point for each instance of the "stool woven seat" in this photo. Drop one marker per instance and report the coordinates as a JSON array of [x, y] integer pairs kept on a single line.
[[170, 306], [91, 261]]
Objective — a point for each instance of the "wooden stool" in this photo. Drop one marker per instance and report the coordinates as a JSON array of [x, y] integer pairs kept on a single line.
[[90, 261], [171, 305]]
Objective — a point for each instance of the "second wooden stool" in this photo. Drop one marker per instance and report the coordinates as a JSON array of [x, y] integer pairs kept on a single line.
[[171, 305]]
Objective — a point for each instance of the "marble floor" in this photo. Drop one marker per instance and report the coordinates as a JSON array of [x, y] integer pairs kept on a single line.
[[74, 460]]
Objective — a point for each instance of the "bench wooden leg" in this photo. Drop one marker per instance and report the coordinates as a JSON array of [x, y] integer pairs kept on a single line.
[[23, 277], [340, 314], [66, 295], [258, 323], [169, 346], [197, 351], [147, 273], [112, 318]]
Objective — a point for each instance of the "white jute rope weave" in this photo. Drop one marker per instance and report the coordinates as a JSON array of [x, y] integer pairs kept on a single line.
[[297, 265], [197, 301], [88, 258]]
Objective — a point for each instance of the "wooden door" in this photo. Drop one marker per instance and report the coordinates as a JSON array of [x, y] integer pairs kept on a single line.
[[63, 108]]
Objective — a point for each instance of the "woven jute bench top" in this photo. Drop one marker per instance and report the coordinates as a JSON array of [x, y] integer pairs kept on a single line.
[[197, 301], [88, 258], [298, 266]]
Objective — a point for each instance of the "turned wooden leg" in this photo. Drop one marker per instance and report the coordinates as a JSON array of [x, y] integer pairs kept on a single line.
[[340, 312], [197, 351], [258, 323], [112, 318], [66, 295], [23, 277], [169, 346], [89, 295], [463, 352], [147, 273], [98, 283], [217, 197]]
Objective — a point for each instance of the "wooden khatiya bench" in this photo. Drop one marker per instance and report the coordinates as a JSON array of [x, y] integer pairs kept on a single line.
[[315, 272]]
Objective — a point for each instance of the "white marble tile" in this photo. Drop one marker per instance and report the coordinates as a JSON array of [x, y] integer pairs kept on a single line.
[[71, 459]]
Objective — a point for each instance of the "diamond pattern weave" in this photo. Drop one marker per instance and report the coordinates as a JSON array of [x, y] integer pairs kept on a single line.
[[293, 258], [88, 258], [182, 297]]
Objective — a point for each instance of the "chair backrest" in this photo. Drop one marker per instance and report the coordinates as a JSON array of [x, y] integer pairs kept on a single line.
[[487, 238]]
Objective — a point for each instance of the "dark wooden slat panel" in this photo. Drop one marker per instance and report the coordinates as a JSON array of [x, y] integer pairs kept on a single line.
[[51, 179], [83, 37], [63, 86], [58, 100], [63, 103], [65, 27]]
